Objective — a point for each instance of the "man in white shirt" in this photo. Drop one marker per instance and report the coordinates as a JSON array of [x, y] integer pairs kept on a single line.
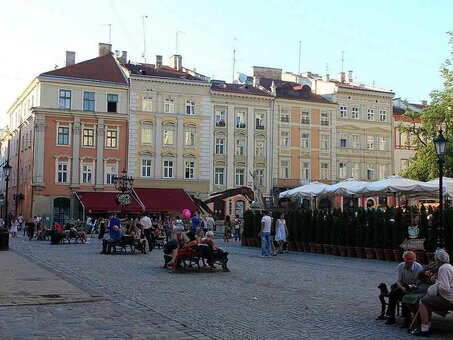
[[439, 297], [265, 233], [146, 222]]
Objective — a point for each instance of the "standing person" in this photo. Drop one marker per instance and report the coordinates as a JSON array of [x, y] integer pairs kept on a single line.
[[31, 228], [168, 228], [281, 232], [265, 234], [20, 224], [101, 228], [227, 228], [179, 225], [211, 223], [237, 228], [114, 221], [195, 222], [14, 228], [406, 281], [145, 221]]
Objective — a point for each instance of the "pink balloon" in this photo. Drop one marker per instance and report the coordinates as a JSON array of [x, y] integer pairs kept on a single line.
[[186, 213]]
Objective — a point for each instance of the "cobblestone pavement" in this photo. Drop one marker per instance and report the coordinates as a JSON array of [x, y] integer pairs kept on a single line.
[[290, 296]]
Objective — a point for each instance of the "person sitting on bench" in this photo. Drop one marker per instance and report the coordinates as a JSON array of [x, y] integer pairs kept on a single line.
[[116, 236], [439, 297], [184, 249], [82, 234], [215, 252]]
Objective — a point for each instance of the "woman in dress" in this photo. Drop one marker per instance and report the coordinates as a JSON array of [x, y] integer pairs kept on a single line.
[[14, 224], [281, 232], [228, 228]]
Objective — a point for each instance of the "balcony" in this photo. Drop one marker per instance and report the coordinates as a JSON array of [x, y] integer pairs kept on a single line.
[[240, 125]]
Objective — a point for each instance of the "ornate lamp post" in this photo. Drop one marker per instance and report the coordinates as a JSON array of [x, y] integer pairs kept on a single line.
[[440, 142], [6, 172], [124, 185]]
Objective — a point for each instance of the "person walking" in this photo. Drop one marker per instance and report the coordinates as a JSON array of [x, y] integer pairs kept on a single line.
[[147, 224], [281, 233], [14, 228], [265, 234], [211, 222], [168, 228], [227, 228], [237, 228]]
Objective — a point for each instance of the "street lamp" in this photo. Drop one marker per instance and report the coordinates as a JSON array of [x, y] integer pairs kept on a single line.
[[440, 142], [124, 185], [6, 172]]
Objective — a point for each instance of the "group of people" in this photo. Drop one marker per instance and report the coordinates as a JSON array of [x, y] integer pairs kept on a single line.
[[32, 228], [421, 290], [271, 232], [232, 228]]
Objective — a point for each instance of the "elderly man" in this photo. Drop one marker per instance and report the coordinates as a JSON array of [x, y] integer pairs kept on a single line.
[[107, 244], [439, 297], [406, 281]]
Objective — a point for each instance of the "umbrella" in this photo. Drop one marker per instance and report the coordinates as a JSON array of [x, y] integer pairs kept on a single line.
[[307, 190], [394, 184], [341, 188]]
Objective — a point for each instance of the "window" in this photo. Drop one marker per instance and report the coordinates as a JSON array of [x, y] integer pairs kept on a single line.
[[305, 141], [343, 112], [65, 99], [342, 170], [284, 138], [88, 101], [220, 146], [404, 139], [355, 113], [305, 171], [259, 121], [240, 176], [63, 135], [220, 118], [324, 170], [285, 115], [305, 117], [190, 138], [382, 115], [382, 143], [146, 167], [110, 173], [168, 169], [189, 169], [355, 141], [240, 120], [370, 172], [147, 130], [112, 102], [370, 142], [111, 139], [260, 148], [325, 145], [168, 137], [259, 173], [343, 140], [88, 137], [190, 107], [355, 170], [382, 171], [284, 169], [325, 118], [370, 114], [219, 176], [240, 147], [404, 163], [87, 173], [62, 172], [169, 105], [147, 104]]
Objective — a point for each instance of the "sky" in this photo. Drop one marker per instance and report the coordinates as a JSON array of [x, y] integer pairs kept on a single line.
[[397, 45]]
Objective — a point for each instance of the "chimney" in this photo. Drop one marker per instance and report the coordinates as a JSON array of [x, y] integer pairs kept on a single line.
[[273, 89], [267, 72], [176, 62], [158, 61], [104, 49], [123, 58], [350, 80], [341, 77], [256, 81], [424, 102], [70, 58], [325, 77]]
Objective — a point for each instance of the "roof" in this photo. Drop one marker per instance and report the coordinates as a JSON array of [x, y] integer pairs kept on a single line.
[[400, 106], [151, 70], [159, 200], [103, 68], [238, 88], [293, 90], [356, 87], [106, 202]]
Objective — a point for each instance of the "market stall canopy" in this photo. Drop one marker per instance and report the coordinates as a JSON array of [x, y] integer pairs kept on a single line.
[[308, 190], [341, 188], [105, 202], [447, 184], [165, 200], [394, 185]]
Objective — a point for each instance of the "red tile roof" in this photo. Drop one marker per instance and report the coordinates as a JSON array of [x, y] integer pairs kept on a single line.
[[150, 70], [102, 68]]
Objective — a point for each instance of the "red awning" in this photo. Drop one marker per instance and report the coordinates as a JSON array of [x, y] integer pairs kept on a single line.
[[163, 200], [106, 202]]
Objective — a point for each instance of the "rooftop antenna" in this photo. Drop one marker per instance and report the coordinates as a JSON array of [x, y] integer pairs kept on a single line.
[[342, 60], [110, 32], [234, 57], [327, 68], [177, 36], [144, 38], [300, 48]]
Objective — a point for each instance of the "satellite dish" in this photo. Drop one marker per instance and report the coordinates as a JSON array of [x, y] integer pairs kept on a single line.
[[241, 77], [118, 53]]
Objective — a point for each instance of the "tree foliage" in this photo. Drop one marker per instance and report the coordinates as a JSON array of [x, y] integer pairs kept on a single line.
[[439, 114]]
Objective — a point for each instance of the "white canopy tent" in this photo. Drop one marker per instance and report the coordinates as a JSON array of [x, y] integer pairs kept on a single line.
[[308, 190], [341, 188], [447, 184]]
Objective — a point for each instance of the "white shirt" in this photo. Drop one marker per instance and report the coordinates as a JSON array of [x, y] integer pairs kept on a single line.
[[267, 223], [444, 282], [146, 222]]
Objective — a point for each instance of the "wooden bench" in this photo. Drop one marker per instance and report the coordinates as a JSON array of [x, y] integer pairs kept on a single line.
[[121, 245], [202, 253]]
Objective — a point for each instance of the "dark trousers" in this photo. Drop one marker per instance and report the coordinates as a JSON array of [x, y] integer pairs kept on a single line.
[[150, 238], [107, 245], [395, 295], [31, 232]]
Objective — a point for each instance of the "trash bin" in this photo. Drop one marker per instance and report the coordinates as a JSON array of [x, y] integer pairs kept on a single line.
[[4, 239]]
